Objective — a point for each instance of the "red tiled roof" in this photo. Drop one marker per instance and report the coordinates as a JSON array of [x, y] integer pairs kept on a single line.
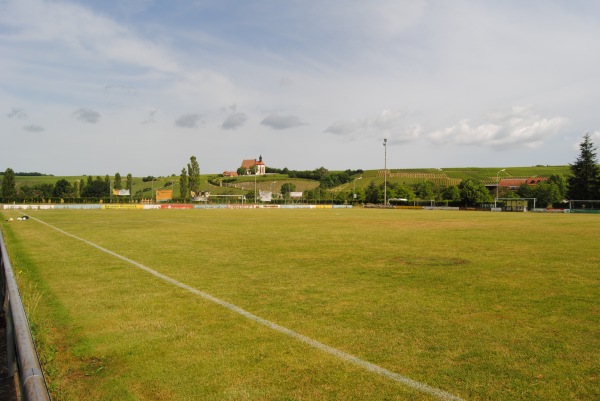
[[517, 182], [249, 163]]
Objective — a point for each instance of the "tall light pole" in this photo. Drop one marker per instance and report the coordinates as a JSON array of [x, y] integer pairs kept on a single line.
[[152, 193], [497, 185], [354, 188], [385, 171]]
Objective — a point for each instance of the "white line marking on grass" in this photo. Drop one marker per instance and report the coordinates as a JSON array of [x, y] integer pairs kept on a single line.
[[422, 387]]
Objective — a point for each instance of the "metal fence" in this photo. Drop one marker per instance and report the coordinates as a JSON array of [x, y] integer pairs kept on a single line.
[[22, 357]]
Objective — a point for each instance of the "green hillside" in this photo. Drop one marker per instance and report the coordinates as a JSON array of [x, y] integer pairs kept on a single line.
[[142, 187], [454, 175]]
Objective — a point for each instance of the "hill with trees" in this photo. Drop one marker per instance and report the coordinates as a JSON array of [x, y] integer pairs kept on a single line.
[[469, 186]]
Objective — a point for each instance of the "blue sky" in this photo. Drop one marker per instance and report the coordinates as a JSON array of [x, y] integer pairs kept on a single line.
[[138, 86]]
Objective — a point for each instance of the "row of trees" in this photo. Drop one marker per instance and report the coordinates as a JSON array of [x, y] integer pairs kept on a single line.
[[97, 188], [326, 178]]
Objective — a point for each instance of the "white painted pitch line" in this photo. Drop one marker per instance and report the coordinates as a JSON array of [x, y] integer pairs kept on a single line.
[[422, 387]]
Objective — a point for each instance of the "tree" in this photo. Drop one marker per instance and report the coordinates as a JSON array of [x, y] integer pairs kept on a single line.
[[184, 190], [584, 183], [371, 193], [397, 191], [193, 174], [77, 188], [95, 188], [117, 184], [474, 193], [129, 183], [107, 185], [561, 184], [8, 184], [547, 193], [451, 194], [425, 190], [62, 189]]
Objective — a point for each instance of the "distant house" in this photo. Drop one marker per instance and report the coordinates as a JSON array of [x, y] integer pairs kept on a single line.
[[515, 183], [230, 173], [261, 168]]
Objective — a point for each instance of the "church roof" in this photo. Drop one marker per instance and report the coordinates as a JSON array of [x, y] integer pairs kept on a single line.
[[249, 163]]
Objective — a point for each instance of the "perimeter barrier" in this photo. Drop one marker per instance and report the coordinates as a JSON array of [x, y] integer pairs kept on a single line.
[[21, 355]]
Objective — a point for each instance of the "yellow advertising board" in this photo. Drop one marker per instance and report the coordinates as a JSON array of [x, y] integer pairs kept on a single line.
[[163, 195], [121, 206]]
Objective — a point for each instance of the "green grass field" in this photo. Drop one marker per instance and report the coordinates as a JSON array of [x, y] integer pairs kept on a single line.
[[484, 306]]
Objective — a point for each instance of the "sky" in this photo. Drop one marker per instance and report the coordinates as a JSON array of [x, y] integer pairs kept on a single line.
[[140, 86]]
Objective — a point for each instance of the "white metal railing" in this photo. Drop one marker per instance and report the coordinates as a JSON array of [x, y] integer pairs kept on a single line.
[[21, 355]]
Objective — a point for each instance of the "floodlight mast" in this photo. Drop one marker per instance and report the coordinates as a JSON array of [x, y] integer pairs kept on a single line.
[[385, 171], [497, 185], [354, 189]]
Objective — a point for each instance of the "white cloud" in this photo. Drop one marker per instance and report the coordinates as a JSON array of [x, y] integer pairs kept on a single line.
[[362, 63], [87, 115], [514, 128], [387, 124], [280, 122], [63, 25]]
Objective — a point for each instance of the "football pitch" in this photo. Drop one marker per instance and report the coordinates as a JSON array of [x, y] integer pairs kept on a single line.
[[316, 304]]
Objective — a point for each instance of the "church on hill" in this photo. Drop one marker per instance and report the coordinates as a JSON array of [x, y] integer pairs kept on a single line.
[[247, 166], [261, 169]]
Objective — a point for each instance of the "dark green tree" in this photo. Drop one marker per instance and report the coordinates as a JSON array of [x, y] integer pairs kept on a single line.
[[62, 189], [193, 174], [96, 188], [561, 183], [117, 184], [129, 183], [584, 183], [397, 191], [39, 191], [473, 193], [451, 194], [184, 190], [526, 191], [425, 190], [372, 193], [547, 194], [8, 184]]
